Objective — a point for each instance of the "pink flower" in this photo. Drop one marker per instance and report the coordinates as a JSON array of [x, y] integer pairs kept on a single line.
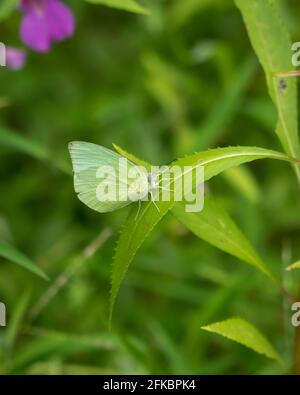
[[15, 58], [44, 22]]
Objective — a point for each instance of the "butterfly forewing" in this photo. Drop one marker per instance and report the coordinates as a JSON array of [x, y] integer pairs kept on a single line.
[[89, 160]]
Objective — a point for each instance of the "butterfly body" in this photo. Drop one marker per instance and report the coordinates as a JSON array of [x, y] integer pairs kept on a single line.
[[152, 181], [140, 188]]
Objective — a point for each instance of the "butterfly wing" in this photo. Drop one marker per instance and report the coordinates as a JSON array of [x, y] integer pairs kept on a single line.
[[87, 158]]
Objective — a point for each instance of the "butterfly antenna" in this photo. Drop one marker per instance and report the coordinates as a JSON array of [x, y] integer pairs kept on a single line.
[[165, 189]]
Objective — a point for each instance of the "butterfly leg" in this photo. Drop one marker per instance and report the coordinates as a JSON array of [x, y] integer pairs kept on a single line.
[[153, 201]]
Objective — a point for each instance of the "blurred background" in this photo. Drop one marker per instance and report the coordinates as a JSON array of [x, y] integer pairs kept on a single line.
[[181, 80]]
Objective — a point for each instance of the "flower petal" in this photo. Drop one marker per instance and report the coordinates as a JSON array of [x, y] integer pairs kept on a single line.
[[60, 20], [15, 58], [34, 31]]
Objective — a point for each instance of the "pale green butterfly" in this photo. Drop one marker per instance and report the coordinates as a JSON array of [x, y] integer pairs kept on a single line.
[[88, 158]]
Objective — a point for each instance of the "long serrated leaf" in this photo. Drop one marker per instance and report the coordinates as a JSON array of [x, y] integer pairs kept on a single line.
[[243, 332], [132, 157], [215, 226], [9, 252], [272, 45], [136, 229], [127, 5]]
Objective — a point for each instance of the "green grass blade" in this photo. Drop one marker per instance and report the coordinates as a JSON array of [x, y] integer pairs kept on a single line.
[[127, 5], [10, 138], [15, 324], [272, 45], [10, 253], [245, 333], [243, 181], [59, 345], [182, 11], [226, 107], [16, 141]]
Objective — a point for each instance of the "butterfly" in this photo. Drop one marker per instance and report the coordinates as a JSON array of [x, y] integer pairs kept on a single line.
[[89, 160]]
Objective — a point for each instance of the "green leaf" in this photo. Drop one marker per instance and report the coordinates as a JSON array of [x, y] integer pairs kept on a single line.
[[215, 226], [132, 157], [7, 7], [136, 229], [10, 253], [272, 45], [16, 320], [127, 5], [245, 333], [294, 266]]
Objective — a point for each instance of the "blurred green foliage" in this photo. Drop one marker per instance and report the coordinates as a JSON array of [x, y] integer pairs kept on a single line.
[[182, 79]]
